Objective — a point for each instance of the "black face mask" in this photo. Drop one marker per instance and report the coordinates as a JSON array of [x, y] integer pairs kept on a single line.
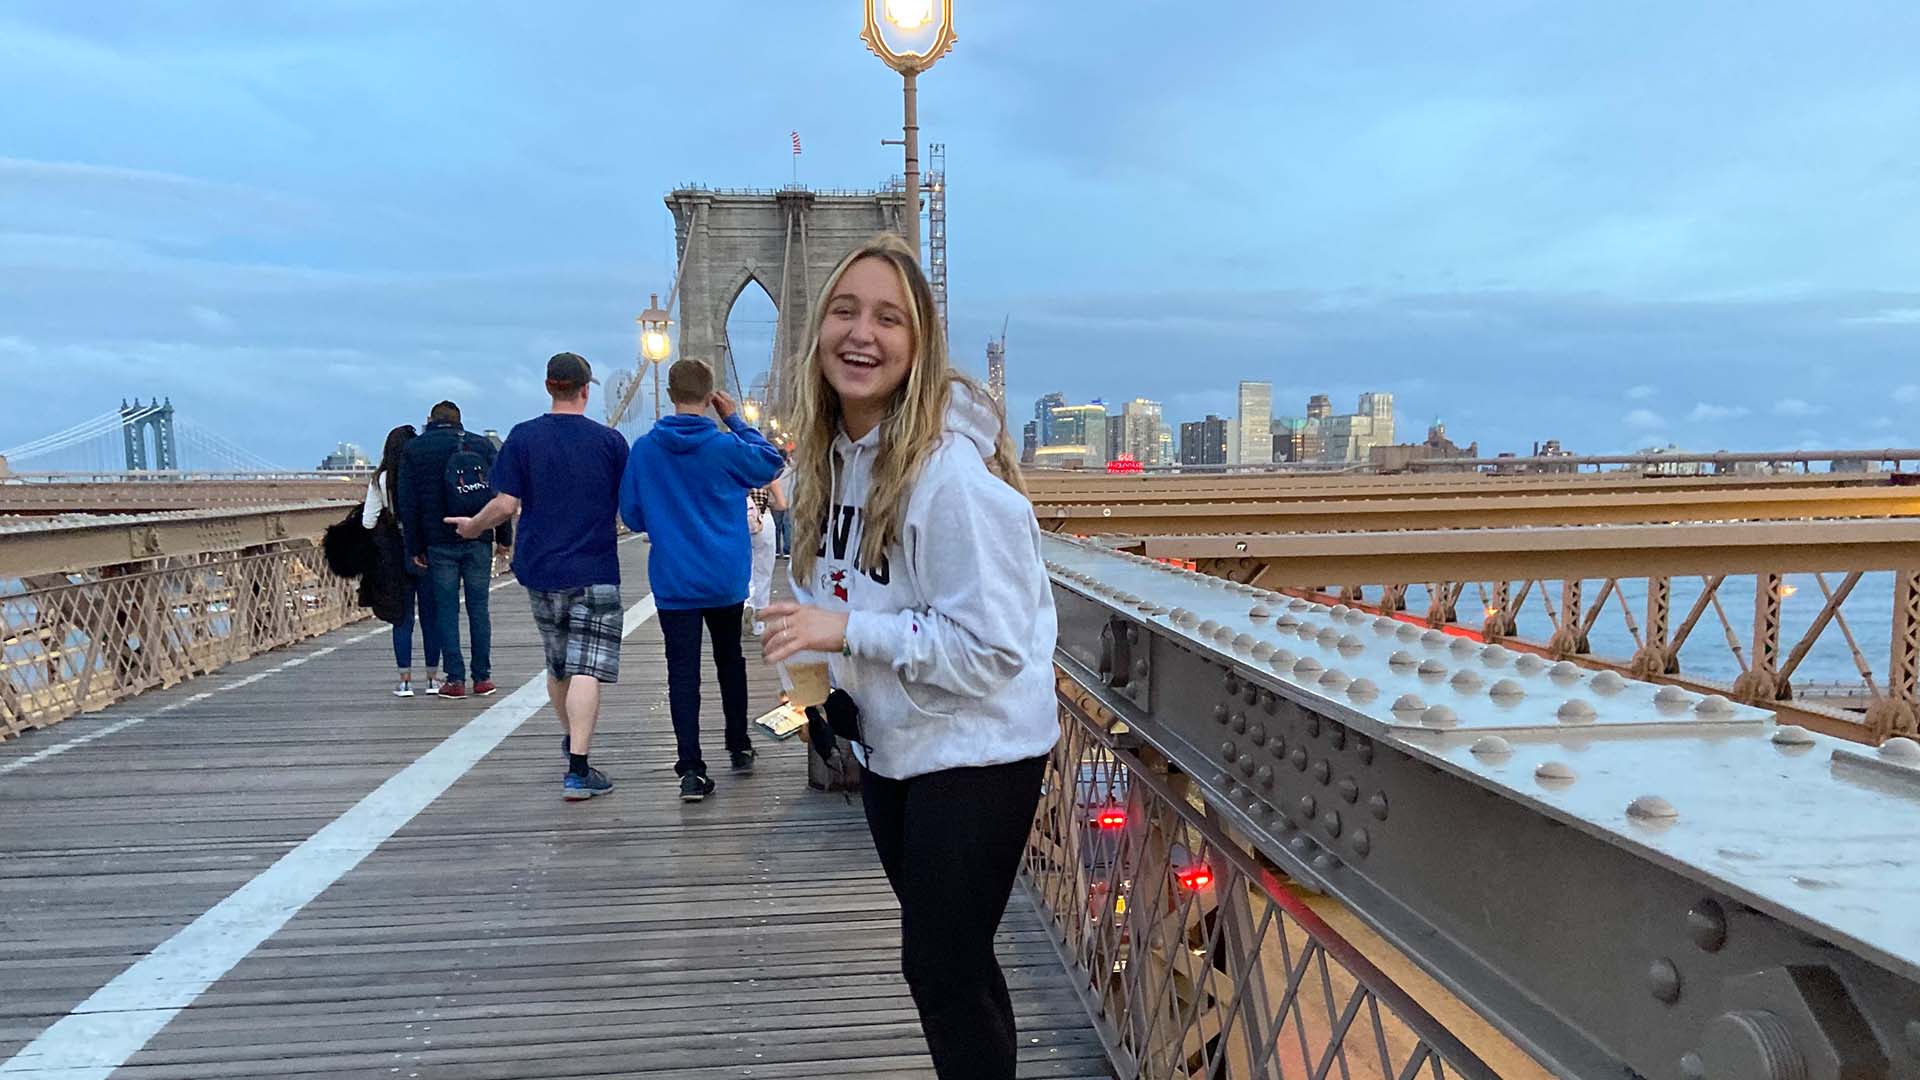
[[838, 717]]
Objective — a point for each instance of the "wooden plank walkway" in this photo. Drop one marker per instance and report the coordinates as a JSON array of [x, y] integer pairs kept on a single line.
[[501, 933]]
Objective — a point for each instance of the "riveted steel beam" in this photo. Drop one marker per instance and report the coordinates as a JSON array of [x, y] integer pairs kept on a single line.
[[1066, 488], [69, 544], [131, 496], [1558, 554], [1452, 511], [1620, 875]]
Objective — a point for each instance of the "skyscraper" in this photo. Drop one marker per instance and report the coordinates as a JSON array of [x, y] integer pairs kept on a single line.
[[997, 370], [1082, 426], [1256, 423], [1287, 438], [1043, 415], [1140, 427], [1319, 407], [1378, 404], [1204, 442]]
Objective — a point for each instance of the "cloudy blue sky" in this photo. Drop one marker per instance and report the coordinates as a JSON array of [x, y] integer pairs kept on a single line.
[[1617, 224]]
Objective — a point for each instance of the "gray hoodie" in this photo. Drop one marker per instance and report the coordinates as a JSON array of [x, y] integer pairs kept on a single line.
[[952, 638]]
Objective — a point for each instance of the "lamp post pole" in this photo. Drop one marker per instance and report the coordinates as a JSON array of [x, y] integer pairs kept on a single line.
[[910, 81], [910, 35]]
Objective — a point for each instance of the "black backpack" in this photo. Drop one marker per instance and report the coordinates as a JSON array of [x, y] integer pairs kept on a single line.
[[468, 487]]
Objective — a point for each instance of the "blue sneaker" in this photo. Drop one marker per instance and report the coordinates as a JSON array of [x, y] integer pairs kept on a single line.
[[576, 788]]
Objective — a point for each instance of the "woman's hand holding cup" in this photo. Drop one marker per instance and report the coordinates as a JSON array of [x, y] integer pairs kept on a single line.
[[797, 638]]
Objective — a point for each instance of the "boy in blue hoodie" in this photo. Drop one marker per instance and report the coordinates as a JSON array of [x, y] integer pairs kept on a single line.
[[685, 487]]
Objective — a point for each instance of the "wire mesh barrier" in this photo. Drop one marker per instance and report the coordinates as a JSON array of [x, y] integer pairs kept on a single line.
[[1193, 959], [79, 642]]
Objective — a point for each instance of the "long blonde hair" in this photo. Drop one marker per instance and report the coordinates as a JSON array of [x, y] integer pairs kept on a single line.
[[914, 422]]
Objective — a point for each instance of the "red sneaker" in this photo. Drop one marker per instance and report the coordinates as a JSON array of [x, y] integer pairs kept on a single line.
[[453, 688], [484, 688]]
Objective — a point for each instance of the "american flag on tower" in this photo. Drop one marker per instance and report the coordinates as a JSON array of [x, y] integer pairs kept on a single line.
[[796, 144]]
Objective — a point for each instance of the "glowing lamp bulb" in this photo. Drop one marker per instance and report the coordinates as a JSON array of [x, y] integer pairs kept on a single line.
[[1788, 590], [655, 345], [909, 14], [1492, 611]]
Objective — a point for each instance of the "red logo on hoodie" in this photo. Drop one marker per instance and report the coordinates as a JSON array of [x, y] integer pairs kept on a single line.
[[839, 584]]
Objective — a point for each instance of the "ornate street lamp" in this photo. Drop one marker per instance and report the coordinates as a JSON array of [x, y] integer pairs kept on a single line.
[[910, 35], [655, 343]]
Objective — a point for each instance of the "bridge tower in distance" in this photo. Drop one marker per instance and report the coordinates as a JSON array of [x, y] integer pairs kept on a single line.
[[135, 421]]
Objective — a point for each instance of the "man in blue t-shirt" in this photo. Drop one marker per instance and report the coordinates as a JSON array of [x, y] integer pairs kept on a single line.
[[561, 472]]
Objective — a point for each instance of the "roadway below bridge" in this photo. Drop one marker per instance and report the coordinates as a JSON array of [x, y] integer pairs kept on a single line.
[[280, 869]]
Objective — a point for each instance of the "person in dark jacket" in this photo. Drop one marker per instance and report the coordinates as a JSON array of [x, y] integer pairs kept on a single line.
[[453, 565], [379, 515]]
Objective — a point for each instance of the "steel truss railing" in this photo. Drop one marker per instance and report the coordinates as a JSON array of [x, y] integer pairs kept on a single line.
[[1193, 959], [79, 642]]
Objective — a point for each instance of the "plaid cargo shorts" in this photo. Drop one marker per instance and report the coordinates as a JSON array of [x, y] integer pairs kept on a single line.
[[580, 630]]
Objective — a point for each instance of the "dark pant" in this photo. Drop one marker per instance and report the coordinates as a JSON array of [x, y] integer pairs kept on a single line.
[[420, 595], [782, 533], [682, 631], [456, 568], [951, 843]]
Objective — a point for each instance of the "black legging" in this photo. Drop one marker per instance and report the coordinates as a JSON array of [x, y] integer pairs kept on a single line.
[[951, 843]]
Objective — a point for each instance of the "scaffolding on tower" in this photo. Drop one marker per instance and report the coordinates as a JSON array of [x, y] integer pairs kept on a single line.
[[937, 227]]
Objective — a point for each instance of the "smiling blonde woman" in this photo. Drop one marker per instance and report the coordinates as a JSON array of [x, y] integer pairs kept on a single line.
[[917, 564]]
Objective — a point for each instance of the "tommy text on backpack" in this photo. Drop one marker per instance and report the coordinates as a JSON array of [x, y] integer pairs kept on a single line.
[[468, 487]]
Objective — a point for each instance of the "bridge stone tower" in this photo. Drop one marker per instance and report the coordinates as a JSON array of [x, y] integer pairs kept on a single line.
[[135, 421], [787, 240]]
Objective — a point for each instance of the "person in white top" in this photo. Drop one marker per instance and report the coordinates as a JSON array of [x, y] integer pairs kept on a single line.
[[762, 505], [917, 566], [381, 500]]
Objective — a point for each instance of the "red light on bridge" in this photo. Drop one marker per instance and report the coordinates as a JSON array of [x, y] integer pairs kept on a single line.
[[1111, 819], [1195, 878]]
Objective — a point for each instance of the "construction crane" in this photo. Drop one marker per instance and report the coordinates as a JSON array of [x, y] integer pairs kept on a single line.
[[997, 364]]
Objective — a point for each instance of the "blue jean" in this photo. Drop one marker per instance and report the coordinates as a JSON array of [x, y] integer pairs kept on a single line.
[[420, 595], [468, 567], [782, 538]]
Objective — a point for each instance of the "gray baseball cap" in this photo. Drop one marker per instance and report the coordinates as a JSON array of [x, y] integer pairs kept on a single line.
[[570, 368]]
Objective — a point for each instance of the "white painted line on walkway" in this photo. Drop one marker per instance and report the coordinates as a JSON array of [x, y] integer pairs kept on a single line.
[[61, 748], [102, 1032]]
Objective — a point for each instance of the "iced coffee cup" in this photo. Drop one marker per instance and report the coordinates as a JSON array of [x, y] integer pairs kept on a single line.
[[807, 680]]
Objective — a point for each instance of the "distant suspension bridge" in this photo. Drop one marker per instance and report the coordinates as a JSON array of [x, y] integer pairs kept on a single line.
[[137, 438]]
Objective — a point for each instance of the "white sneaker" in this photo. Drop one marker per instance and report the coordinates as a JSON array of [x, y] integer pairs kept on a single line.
[[433, 686], [403, 690]]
